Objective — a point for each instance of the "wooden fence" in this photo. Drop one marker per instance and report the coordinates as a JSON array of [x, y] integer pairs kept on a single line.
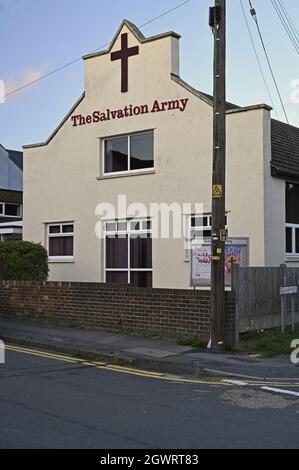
[[257, 294]]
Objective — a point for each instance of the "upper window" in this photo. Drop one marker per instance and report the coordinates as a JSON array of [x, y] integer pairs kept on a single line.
[[10, 210], [130, 153], [292, 219], [61, 240], [292, 203]]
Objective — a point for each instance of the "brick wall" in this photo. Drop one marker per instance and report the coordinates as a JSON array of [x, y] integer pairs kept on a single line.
[[163, 312]]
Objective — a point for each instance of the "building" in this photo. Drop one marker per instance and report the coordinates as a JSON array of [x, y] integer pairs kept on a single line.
[[11, 194], [140, 131]]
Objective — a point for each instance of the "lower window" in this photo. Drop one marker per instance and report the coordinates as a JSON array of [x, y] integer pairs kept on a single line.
[[61, 241], [128, 253]]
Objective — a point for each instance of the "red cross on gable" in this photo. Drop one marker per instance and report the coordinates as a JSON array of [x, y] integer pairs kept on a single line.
[[124, 55]]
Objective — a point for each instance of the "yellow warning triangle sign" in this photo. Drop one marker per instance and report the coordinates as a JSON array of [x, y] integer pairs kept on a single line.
[[217, 191]]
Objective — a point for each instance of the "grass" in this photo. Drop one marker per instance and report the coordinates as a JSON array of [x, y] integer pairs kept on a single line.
[[265, 344], [268, 343], [90, 356]]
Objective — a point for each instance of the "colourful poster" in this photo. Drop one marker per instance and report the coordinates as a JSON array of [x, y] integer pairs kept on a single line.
[[201, 261], [233, 255]]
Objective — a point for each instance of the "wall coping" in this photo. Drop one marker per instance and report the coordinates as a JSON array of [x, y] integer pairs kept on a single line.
[[112, 287]]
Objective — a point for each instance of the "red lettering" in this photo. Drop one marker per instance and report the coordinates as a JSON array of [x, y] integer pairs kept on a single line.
[[82, 120], [156, 107], [96, 116], [144, 109], [74, 119], [128, 111]]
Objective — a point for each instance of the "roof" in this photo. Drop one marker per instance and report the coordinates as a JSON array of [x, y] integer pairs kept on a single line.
[[16, 157], [285, 149]]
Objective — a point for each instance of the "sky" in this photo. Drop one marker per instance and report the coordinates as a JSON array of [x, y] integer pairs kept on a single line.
[[37, 37]]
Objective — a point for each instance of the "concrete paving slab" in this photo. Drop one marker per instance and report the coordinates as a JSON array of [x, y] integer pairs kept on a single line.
[[151, 352]]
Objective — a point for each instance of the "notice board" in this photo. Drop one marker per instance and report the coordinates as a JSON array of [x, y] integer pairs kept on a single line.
[[236, 252]]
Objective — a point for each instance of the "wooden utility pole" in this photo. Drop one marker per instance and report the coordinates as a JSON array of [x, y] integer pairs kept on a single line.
[[219, 234]]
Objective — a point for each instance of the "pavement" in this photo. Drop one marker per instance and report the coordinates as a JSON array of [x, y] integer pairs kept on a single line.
[[144, 353]]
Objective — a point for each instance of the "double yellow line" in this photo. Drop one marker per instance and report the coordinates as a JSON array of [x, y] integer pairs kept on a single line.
[[136, 372], [110, 367]]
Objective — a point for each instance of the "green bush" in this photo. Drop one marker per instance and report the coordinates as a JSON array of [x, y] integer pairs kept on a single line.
[[23, 261]]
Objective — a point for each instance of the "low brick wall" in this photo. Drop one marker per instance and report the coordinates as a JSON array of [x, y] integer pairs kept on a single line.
[[164, 312]]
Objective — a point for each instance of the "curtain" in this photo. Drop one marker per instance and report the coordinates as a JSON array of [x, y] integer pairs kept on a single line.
[[117, 252], [117, 277], [141, 252], [61, 246]]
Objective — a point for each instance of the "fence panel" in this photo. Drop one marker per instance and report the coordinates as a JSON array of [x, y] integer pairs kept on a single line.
[[257, 292]]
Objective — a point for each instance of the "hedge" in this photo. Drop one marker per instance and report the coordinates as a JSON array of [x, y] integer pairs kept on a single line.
[[23, 261]]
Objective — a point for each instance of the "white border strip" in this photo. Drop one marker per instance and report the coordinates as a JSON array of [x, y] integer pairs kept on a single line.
[[280, 390], [235, 382], [2, 352]]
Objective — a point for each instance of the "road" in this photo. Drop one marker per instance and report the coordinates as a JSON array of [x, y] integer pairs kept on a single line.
[[51, 402]]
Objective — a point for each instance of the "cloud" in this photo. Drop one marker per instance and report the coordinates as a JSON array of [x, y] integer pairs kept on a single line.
[[28, 75]]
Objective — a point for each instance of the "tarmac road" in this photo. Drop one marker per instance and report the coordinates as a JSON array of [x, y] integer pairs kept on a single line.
[[47, 401]]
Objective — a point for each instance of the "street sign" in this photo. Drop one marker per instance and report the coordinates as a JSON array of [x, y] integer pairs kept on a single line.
[[290, 290], [287, 290]]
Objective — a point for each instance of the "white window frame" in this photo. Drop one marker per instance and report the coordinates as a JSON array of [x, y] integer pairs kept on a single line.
[[128, 171], [203, 228], [60, 235], [126, 233], [4, 204], [199, 228], [293, 227]]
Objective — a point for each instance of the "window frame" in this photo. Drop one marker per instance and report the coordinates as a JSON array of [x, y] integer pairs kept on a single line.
[[293, 253], [60, 235], [19, 206], [203, 228], [293, 226], [200, 228], [128, 232], [128, 171]]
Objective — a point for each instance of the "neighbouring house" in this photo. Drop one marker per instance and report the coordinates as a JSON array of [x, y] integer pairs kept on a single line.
[[11, 194], [140, 131]]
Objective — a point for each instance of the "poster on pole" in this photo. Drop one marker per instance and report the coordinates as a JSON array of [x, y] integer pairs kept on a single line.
[[236, 252]]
